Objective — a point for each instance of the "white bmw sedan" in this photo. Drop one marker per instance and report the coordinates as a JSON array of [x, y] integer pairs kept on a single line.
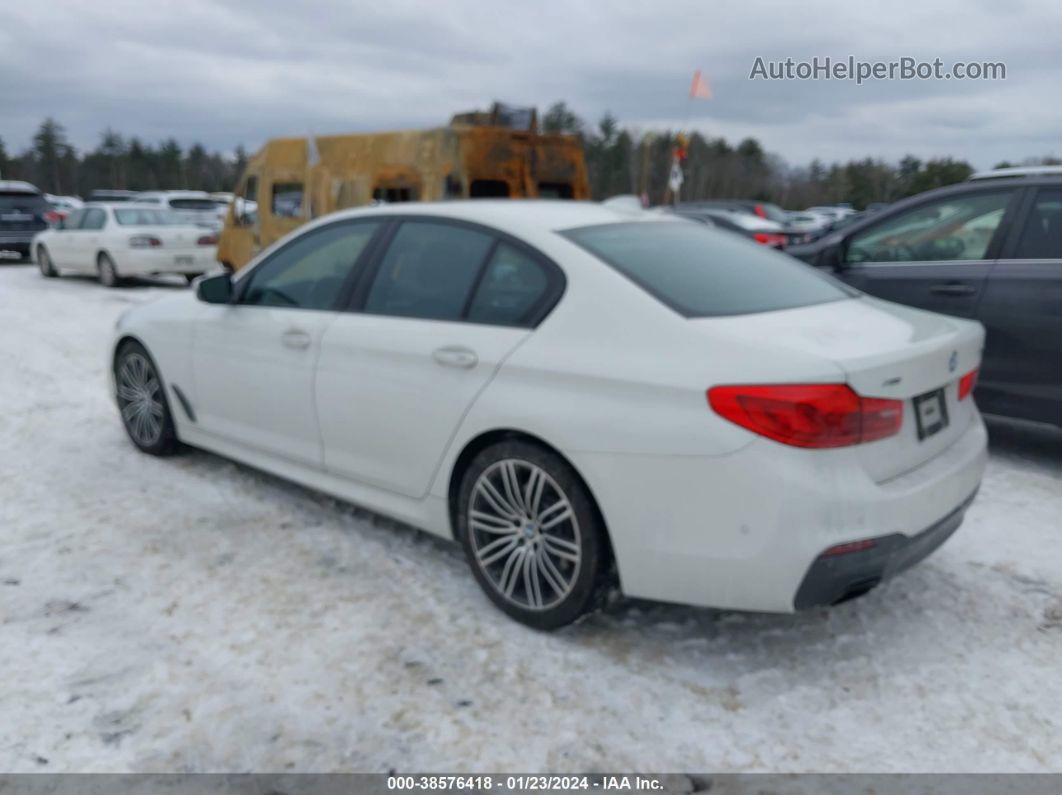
[[113, 241], [579, 396]]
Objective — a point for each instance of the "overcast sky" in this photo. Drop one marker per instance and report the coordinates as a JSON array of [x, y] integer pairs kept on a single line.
[[226, 72]]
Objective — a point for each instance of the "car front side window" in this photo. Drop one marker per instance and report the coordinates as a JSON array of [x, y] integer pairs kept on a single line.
[[310, 271], [953, 228]]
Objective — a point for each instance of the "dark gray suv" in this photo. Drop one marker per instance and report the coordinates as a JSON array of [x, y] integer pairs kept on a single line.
[[23, 213], [989, 249]]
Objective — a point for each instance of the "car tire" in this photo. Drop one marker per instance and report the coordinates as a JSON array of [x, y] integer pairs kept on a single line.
[[108, 273], [532, 534], [44, 262], [142, 404]]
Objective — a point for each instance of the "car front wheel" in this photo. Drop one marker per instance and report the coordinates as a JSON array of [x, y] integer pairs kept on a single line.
[[532, 534], [142, 401]]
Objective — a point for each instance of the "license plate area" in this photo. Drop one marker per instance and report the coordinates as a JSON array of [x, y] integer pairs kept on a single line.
[[183, 260], [931, 413]]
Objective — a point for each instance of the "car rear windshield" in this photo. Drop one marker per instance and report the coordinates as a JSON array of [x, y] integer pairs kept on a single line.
[[18, 200], [701, 272], [146, 216], [193, 204]]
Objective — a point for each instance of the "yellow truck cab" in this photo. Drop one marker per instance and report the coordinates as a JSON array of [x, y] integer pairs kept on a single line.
[[494, 154]]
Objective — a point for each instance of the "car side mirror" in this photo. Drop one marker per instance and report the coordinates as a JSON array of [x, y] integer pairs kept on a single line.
[[215, 289]]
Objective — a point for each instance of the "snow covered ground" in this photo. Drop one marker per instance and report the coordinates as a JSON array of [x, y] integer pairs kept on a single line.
[[191, 614]]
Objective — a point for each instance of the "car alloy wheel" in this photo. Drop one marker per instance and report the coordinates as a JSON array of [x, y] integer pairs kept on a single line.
[[140, 400], [524, 534]]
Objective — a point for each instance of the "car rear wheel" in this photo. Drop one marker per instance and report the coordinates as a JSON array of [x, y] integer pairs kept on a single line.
[[44, 262], [532, 534], [142, 401], [107, 271]]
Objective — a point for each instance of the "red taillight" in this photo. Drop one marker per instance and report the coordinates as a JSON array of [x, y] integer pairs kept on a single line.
[[144, 241], [769, 239], [53, 216], [758, 209], [207, 240], [808, 415], [967, 383], [849, 548]]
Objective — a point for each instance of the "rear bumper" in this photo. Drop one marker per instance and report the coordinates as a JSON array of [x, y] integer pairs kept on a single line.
[[143, 262], [838, 578], [744, 531], [17, 241]]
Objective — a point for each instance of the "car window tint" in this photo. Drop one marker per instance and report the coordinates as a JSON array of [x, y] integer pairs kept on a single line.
[[428, 271], [93, 219], [954, 228], [704, 272], [1041, 237], [512, 287], [309, 272]]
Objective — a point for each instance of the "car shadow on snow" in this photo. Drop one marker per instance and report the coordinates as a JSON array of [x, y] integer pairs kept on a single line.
[[919, 607], [129, 282], [1026, 443]]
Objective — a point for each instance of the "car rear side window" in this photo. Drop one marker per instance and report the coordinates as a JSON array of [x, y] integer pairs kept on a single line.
[[429, 271], [701, 272], [511, 290], [309, 272], [1041, 238], [93, 219]]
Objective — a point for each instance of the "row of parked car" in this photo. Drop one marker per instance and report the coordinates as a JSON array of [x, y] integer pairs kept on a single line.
[[989, 249], [768, 223], [112, 234]]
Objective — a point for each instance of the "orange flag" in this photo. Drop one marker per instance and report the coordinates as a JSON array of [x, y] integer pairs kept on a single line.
[[699, 88]]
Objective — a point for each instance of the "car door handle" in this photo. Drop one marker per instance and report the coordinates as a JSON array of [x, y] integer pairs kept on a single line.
[[455, 356], [952, 288], [296, 338]]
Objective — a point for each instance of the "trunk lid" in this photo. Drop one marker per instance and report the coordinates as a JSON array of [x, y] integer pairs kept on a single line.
[[886, 350]]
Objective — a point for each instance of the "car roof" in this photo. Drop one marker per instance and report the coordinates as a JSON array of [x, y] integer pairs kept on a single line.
[[528, 216], [17, 186], [1018, 171]]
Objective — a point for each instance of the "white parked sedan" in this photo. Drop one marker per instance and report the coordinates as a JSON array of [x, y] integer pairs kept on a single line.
[[578, 394], [118, 240]]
